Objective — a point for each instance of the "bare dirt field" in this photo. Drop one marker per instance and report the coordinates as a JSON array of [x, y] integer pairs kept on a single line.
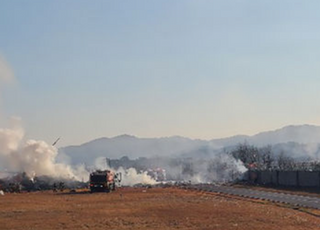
[[156, 208]]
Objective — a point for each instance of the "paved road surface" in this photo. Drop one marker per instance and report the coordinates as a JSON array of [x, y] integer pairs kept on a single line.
[[297, 200]]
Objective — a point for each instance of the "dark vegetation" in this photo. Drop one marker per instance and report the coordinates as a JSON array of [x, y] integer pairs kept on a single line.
[[264, 159]]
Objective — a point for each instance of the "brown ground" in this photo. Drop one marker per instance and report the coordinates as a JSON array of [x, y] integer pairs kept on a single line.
[[156, 208]]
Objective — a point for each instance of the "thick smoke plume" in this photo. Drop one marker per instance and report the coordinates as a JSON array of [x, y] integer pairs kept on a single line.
[[35, 158], [130, 176]]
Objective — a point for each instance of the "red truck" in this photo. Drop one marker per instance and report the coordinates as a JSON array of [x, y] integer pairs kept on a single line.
[[104, 181]]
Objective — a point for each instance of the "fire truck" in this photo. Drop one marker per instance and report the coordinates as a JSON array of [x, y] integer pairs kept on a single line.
[[104, 181]]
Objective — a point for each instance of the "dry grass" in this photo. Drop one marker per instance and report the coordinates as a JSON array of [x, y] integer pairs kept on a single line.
[[156, 208]]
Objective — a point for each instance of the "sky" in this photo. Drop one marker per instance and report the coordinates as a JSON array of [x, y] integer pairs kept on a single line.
[[194, 68]]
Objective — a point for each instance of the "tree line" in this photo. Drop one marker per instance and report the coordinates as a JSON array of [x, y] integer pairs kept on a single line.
[[264, 159]]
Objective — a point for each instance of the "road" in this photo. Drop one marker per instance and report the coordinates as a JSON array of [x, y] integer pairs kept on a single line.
[[278, 197]]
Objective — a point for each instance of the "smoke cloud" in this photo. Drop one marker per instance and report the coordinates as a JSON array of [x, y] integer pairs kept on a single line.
[[130, 176], [35, 158], [220, 168]]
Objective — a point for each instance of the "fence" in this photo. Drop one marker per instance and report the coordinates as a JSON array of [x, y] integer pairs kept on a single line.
[[286, 178]]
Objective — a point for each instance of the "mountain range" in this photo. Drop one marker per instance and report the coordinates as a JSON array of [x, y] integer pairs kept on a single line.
[[298, 141]]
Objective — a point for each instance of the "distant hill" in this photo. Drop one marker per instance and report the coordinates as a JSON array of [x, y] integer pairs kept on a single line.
[[301, 140], [133, 147], [302, 134]]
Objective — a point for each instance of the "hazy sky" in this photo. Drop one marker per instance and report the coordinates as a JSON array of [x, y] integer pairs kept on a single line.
[[201, 69]]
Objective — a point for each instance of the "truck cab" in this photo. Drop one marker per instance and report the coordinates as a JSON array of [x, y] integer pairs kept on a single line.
[[104, 181]]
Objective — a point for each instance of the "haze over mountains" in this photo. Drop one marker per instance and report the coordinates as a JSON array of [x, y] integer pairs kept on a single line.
[[300, 141]]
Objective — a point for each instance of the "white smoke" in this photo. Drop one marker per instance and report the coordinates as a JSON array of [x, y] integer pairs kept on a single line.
[[35, 158], [38, 158], [130, 176], [220, 167]]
